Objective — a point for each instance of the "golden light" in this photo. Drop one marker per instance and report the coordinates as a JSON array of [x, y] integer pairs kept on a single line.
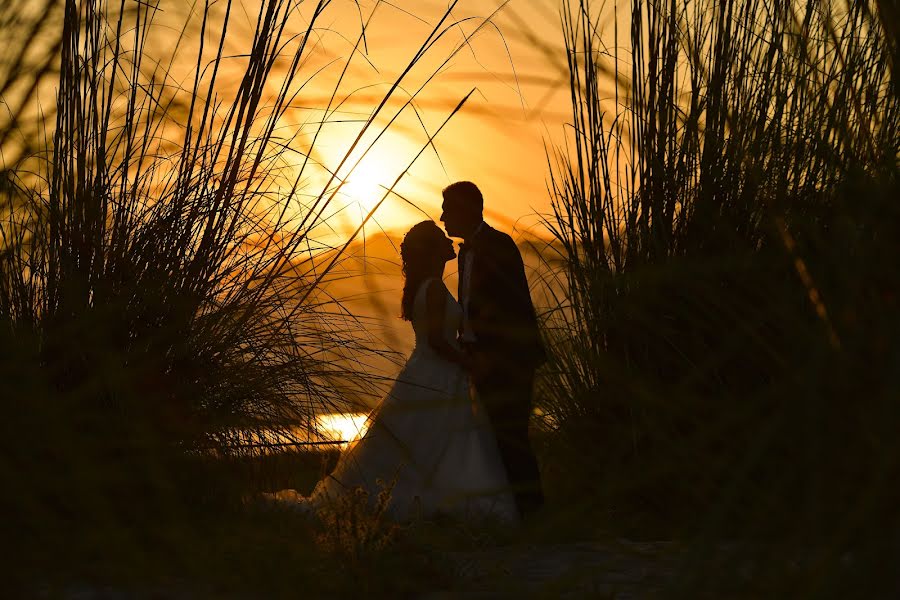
[[365, 184], [345, 427]]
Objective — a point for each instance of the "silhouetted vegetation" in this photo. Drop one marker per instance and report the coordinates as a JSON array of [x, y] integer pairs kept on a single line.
[[161, 315], [726, 353], [723, 353]]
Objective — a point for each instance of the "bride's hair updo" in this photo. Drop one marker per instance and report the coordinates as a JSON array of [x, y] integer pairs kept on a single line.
[[417, 251]]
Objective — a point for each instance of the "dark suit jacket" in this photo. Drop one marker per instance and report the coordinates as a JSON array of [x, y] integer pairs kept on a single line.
[[500, 310]]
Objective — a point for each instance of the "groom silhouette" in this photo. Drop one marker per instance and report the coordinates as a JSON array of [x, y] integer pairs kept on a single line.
[[499, 332]]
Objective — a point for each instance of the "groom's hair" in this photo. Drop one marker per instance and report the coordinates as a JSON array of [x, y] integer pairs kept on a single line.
[[465, 194]]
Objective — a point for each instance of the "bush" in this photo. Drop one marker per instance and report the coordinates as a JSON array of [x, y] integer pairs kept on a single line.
[[726, 210], [161, 310]]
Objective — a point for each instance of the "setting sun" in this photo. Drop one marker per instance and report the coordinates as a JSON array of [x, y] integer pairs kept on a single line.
[[367, 184]]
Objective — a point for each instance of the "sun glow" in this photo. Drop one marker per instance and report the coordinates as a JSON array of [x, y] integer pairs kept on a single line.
[[367, 184]]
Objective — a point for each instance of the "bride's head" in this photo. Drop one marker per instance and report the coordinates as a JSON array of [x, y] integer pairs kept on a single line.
[[424, 251]]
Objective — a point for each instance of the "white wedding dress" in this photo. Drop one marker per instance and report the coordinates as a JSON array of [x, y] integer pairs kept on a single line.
[[429, 436]]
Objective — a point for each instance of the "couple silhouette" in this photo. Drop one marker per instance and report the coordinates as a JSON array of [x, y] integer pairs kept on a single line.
[[451, 436]]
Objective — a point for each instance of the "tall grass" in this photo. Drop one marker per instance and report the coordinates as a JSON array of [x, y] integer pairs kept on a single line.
[[726, 205], [161, 302]]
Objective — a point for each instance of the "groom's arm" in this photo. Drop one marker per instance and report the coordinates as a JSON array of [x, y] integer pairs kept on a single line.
[[509, 316], [511, 276], [505, 296]]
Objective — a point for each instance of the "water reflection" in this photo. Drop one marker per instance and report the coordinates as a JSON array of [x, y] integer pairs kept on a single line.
[[337, 430], [343, 428], [338, 427]]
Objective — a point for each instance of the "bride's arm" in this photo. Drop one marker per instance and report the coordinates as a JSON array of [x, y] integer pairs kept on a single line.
[[435, 309]]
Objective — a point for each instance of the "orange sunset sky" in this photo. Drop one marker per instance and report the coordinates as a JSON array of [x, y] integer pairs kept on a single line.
[[515, 63], [513, 67], [516, 66], [508, 56]]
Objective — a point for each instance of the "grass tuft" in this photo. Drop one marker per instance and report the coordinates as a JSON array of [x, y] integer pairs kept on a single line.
[[164, 324], [726, 208]]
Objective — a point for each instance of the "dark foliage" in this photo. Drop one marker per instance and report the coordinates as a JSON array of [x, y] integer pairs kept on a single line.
[[726, 346]]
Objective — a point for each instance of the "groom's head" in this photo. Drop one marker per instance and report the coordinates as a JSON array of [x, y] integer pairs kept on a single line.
[[462, 208]]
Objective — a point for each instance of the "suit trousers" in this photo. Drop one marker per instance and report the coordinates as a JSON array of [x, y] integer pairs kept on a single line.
[[506, 397]]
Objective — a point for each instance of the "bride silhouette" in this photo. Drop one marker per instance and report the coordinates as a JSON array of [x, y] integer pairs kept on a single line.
[[429, 437]]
